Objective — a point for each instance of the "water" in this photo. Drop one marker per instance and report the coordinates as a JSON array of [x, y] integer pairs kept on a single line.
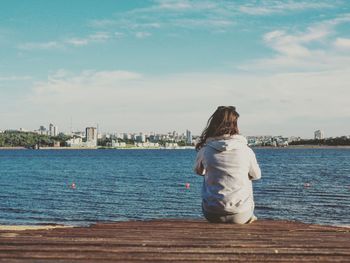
[[118, 185]]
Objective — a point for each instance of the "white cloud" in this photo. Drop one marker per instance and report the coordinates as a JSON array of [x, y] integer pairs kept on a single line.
[[209, 23], [101, 22], [184, 5], [212, 16], [118, 34], [92, 38], [142, 34], [129, 22], [40, 45], [117, 75], [207, 15], [127, 101], [77, 41], [308, 50], [255, 10], [174, 4], [62, 82], [97, 37], [294, 45], [342, 43], [142, 26], [14, 78], [286, 44], [343, 18], [272, 7]]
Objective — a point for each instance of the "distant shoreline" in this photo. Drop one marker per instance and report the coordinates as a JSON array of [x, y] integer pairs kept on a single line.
[[304, 147], [98, 148], [181, 148]]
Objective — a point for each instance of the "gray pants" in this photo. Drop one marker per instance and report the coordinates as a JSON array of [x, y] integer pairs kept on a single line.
[[240, 218]]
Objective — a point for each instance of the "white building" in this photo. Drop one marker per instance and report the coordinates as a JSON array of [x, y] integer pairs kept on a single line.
[[53, 130], [293, 139], [188, 137], [147, 144], [91, 136], [141, 137], [319, 135], [126, 136], [115, 143], [119, 135], [171, 145], [75, 142], [42, 130]]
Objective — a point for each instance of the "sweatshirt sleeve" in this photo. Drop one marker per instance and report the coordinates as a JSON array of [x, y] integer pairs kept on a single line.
[[198, 167], [254, 169]]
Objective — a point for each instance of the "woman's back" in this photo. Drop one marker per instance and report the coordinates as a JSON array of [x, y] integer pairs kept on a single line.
[[228, 161], [228, 166]]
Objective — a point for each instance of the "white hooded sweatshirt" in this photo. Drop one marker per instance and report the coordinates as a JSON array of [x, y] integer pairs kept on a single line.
[[228, 166]]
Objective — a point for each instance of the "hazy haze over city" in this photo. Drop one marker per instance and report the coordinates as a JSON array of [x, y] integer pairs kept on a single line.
[[166, 65]]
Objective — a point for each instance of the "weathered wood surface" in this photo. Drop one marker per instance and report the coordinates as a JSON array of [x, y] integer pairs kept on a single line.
[[179, 241]]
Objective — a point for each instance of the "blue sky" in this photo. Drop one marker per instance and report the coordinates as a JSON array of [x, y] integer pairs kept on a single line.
[[166, 65]]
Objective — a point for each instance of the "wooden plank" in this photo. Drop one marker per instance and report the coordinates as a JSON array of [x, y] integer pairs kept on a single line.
[[180, 241]]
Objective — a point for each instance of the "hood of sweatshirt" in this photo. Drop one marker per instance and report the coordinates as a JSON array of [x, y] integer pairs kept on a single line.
[[226, 143]]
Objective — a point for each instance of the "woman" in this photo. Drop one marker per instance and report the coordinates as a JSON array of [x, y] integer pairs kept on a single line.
[[228, 166]]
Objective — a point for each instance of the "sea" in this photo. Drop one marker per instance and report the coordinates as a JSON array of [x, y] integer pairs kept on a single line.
[[82, 187]]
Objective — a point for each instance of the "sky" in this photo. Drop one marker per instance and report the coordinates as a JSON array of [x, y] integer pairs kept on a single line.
[[164, 65]]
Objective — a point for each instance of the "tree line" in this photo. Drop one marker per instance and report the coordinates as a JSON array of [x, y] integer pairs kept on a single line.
[[339, 141], [30, 139]]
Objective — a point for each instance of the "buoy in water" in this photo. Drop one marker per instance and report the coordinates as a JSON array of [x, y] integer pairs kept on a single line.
[[187, 185], [306, 185], [73, 186]]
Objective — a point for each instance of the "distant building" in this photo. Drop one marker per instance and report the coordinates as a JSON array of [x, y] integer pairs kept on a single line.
[[188, 137], [75, 141], [119, 135], [42, 130], [319, 135], [126, 136], [171, 145], [293, 139], [91, 136], [147, 144], [115, 143], [141, 137], [77, 134], [53, 130]]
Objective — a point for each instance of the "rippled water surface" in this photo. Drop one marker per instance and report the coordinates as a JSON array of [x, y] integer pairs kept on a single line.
[[309, 185]]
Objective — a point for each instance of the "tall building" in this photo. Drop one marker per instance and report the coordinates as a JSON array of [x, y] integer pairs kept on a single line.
[[141, 137], [319, 135], [91, 136], [53, 130], [126, 136], [42, 130], [188, 137]]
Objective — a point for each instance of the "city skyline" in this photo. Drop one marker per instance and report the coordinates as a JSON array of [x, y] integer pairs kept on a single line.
[[166, 65], [52, 130], [47, 130], [92, 138]]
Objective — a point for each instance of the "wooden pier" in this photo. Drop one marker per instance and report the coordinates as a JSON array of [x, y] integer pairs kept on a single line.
[[179, 241]]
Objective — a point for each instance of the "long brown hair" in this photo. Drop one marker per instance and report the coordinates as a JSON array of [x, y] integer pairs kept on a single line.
[[223, 121]]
